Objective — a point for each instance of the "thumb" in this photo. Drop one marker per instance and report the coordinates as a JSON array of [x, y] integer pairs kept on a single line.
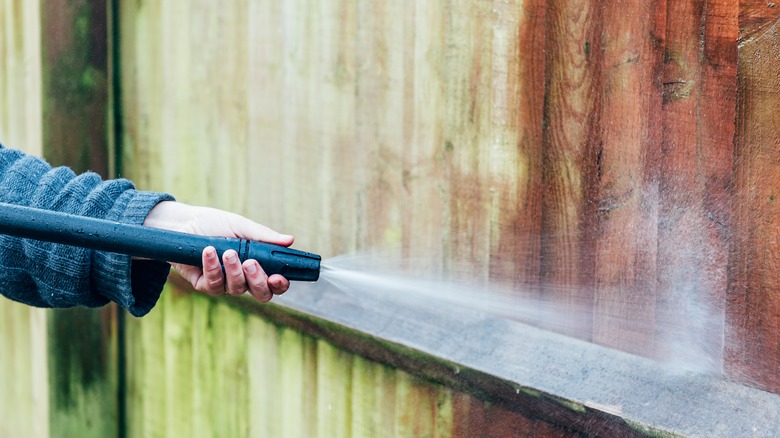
[[251, 230]]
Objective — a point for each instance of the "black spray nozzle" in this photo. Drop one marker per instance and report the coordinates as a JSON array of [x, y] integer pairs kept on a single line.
[[292, 264], [151, 243]]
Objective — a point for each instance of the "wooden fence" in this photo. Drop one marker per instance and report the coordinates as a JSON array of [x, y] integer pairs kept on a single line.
[[613, 156]]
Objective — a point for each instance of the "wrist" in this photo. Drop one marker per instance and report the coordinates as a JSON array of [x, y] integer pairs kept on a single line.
[[168, 215]]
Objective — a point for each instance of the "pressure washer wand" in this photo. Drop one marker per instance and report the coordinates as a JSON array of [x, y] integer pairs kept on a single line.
[[151, 243]]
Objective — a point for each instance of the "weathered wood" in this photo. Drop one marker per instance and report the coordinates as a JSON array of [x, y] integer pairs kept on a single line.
[[627, 173], [75, 84], [82, 342], [578, 151], [479, 418], [570, 154], [699, 83], [24, 392], [56, 67], [568, 383], [753, 331]]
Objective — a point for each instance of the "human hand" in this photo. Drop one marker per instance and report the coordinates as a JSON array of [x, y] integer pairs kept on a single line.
[[238, 277]]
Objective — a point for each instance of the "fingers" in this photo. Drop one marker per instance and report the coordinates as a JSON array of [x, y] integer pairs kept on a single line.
[[237, 279], [211, 281], [262, 287], [234, 273]]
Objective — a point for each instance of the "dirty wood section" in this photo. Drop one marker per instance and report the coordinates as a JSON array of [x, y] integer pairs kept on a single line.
[[570, 155], [24, 396], [753, 336], [53, 103], [204, 366], [582, 152], [626, 173], [82, 343], [695, 184], [75, 84]]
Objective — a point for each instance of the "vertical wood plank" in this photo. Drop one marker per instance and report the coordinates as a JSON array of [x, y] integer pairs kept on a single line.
[[699, 101], [145, 365], [177, 333], [753, 336], [468, 141], [518, 100], [473, 417], [380, 81], [423, 206], [331, 85], [417, 407], [264, 368], [75, 81], [141, 100], [205, 341], [24, 395], [264, 74], [297, 355], [333, 391], [627, 172], [82, 342], [570, 154], [373, 399], [228, 395]]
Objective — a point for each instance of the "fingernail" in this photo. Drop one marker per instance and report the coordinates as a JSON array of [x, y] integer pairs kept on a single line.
[[231, 258], [251, 268], [285, 236], [211, 253]]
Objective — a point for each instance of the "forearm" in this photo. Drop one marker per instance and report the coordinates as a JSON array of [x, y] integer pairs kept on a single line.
[[52, 275]]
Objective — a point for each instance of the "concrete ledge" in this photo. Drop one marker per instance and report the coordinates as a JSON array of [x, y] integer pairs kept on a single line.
[[564, 381]]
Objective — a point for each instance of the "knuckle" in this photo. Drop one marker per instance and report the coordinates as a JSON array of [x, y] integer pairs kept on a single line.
[[237, 288], [214, 284], [259, 283]]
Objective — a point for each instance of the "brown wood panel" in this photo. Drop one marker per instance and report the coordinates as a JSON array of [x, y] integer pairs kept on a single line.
[[753, 314], [75, 84], [627, 173], [474, 417], [582, 146], [756, 16], [82, 343], [570, 159], [699, 92]]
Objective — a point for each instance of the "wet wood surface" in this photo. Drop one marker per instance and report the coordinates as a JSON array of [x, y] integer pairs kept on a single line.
[[615, 159], [583, 152], [753, 336]]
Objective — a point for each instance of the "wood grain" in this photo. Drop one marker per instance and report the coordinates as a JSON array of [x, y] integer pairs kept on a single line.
[[699, 81], [570, 160], [753, 345], [627, 173], [75, 81], [582, 153], [755, 16], [82, 342], [55, 89]]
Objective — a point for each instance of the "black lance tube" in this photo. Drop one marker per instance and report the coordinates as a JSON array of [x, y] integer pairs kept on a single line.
[[151, 243]]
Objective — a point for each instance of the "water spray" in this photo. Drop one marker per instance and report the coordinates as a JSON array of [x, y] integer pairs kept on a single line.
[[151, 243]]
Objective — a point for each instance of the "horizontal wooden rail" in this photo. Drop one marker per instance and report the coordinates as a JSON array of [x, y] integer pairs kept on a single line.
[[578, 385]]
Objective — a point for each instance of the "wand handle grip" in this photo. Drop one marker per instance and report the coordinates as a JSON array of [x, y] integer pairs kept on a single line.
[[151, 243]]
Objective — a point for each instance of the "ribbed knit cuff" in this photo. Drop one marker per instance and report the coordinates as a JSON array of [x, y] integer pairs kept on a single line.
[[133, 284]]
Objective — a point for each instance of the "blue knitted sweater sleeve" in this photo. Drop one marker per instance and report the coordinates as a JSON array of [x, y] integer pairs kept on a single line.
[[45, 274]]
